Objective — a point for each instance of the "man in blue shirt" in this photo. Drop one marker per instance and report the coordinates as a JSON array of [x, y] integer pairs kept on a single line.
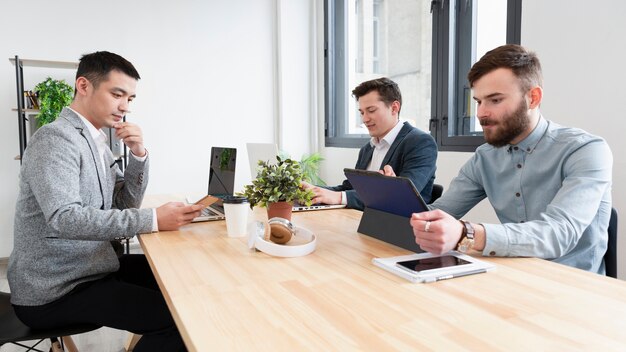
[[394, 147], [549, 185]]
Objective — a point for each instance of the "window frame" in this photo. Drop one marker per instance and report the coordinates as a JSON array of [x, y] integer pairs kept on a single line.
[[447, 71], [336, 74]]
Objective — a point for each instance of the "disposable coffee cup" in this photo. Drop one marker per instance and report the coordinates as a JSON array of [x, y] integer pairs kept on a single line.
[[236, 210]]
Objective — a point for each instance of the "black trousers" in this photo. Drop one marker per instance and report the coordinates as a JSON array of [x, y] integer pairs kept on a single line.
[[128, 299]]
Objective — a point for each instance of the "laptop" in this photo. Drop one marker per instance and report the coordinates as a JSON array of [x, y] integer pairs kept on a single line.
[[221, 182], [268, 152], [260, 151]]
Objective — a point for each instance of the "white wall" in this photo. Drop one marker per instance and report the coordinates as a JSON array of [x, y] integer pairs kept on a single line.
[[581, 47], [207, 79]]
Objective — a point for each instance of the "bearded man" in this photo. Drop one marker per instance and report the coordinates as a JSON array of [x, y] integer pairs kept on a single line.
[[549, 185]]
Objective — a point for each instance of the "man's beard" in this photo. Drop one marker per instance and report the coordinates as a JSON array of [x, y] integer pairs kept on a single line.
[[511, 126]]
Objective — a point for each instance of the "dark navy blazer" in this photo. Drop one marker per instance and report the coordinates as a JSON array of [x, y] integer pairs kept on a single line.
[[413, 154]]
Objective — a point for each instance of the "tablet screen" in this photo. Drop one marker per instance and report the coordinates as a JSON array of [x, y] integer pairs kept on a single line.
[[432, 263]]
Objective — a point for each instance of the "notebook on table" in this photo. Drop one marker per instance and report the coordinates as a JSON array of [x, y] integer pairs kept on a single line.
[[221, 182]]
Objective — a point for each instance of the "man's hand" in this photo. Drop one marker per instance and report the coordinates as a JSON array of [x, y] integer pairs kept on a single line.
[[132, 136], [436, 231], [322, 195], [172, 215], [387, 171]]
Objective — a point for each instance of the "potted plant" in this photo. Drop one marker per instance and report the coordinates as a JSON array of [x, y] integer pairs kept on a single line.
[[276, 187], [53, 96]]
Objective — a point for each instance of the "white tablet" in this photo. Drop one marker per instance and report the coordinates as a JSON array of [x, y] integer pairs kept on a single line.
[[428, 267]]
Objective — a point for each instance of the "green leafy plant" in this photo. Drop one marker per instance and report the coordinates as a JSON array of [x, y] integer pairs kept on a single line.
[[277, 182], [310, 165], [53, 96]]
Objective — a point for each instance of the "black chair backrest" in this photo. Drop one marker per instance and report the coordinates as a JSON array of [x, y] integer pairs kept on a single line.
[[437, 192], [610, 257]]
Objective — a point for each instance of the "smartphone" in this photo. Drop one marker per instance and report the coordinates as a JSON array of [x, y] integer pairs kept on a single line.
[[207, 200], [443, 261]]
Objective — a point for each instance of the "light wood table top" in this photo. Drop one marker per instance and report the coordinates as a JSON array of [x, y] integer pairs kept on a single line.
[[224, 296]]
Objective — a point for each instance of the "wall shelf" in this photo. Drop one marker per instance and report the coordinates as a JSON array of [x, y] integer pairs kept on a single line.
[[45, 63], [117, 147], [19, 83]]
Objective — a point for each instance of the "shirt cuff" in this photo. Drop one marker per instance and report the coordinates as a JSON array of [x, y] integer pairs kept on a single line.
[[155, 223], [496, 241], [344, 199], [139, 158]]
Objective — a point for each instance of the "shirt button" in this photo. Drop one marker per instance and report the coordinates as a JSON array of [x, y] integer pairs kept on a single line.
[[528, 149], [492, 253], [515, 148], [519, 166], [517, 194]]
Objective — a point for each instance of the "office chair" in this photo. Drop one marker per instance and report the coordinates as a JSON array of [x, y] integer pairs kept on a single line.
[[12, 330], [610, 257], [436, 193]]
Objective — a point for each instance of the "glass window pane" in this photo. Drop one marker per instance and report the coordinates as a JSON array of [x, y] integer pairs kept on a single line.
[[390, 38], [491, 20]]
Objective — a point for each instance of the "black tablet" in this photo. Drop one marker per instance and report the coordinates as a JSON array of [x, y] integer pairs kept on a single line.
[[395, 195]]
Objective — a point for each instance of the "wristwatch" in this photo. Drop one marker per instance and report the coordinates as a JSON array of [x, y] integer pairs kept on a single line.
[[467, 238]]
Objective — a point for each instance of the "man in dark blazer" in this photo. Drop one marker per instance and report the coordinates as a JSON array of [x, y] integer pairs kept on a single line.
[[74, 200], [394, 149]]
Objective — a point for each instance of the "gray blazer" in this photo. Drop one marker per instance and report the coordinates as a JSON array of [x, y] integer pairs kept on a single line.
[[67, 211]]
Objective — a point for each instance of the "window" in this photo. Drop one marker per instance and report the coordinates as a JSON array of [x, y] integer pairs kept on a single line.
[[368, 39], [463, 31]]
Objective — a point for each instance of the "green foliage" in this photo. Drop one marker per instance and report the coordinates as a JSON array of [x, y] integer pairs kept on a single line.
[[53, 96], [279, 182], [310, 165]]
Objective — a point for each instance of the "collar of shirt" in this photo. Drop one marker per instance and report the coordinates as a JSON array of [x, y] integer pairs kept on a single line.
[[97, 135], [388, 138], [530, 142]]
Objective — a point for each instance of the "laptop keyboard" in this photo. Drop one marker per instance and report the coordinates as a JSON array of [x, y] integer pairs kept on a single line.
[[208, 212]]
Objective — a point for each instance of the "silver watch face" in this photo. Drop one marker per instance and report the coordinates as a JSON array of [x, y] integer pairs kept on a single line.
[[465, 245]]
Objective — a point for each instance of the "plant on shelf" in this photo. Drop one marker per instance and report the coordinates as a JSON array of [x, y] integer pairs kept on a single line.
[[277, 185], [53, 96], [310, 165]]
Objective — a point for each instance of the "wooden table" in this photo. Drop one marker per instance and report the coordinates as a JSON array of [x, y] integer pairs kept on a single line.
[[224, 296]]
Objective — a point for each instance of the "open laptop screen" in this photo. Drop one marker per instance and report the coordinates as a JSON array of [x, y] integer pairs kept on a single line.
[[222, 171]]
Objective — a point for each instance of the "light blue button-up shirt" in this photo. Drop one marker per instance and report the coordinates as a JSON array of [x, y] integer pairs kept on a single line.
[[551, 193]]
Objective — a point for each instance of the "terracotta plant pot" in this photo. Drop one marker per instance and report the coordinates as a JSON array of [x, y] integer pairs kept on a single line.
[[279, 210]]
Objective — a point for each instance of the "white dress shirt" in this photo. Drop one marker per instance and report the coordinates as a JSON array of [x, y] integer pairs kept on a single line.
[[381, 147]]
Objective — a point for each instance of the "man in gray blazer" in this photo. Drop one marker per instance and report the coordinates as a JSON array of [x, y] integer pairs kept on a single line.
[[395, 148], [74, 200]]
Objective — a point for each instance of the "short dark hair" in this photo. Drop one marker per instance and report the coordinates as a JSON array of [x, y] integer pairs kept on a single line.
[[386, 88], [524, 64], [96, 66]]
